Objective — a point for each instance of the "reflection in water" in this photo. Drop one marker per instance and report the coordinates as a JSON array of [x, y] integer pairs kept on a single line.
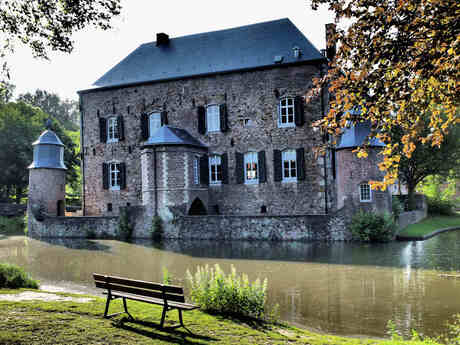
[[335, 287]]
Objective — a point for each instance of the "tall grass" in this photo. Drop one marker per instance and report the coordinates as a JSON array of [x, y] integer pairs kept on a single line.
[[12, 226], [231, 294], [14, 277]]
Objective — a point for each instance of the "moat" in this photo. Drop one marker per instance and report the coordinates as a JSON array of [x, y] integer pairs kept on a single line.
[[341, 288]]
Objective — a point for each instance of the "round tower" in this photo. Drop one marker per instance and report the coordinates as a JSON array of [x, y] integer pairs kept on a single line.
[[47, 177]]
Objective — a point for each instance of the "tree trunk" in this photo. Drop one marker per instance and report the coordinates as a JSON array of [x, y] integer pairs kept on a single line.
[[411, 203]]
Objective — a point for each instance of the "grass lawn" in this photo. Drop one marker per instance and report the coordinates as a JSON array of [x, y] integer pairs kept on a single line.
[[431, 224], [70, 322]]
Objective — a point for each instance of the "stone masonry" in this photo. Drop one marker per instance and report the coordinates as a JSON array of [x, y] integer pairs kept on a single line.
[[252, 95]]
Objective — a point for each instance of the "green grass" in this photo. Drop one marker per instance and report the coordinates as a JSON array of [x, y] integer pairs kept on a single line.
[[430, 224], [38, 322]]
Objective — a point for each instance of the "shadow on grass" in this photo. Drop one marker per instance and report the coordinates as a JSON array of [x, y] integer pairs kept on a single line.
[[253, 323], [151, 330]]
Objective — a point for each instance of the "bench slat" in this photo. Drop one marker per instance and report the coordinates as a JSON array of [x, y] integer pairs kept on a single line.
[[138, 291], [140, 284], [184, 306]]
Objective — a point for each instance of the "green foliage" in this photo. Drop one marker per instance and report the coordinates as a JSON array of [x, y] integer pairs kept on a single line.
[[167, 277], [230, 294], [156, 230], [437, 206], [14, 277], [397, 207], [372, 227], [12, 226], [125, 228], [439, 187]]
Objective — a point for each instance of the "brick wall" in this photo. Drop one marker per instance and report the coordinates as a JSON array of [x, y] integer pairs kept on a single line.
[[253, 95]]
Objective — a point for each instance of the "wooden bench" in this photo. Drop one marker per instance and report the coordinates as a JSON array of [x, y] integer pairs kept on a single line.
[[169, 296]]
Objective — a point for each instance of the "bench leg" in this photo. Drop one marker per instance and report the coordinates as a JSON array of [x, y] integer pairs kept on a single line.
[[126, 309], [180, 317], [163, 315], [109, 298]]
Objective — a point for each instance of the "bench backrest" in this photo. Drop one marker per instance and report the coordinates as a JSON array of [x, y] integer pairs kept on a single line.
[[139, 287]]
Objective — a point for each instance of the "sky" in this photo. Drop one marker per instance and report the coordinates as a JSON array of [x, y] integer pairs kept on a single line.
[[97, 51]]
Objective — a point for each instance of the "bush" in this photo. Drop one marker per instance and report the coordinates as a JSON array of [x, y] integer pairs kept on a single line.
[[372, 227], [227, 294], [125, 229], [12, 226], [156, 230], [440, 207], [14, 277], [397, 207]]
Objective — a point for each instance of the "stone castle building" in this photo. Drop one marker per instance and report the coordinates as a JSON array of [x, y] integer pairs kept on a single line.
[[217, 124]]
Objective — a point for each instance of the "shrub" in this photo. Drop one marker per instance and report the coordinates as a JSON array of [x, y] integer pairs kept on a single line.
[[372, 227], [125, 229], [156, 231], [14, 277], [440, 207], [12, 226], [227, 294], [397, 207]]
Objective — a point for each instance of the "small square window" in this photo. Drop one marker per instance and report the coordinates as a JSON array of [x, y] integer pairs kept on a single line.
[[365, 194]]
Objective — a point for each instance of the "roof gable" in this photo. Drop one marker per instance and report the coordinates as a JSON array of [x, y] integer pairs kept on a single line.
[[241, 48]]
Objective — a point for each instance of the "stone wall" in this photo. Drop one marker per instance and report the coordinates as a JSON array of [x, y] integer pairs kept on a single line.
[[251, 95], [12, 210]]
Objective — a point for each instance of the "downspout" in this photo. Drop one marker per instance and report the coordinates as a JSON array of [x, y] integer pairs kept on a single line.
[[325, 155], [82, 156], [155, 184]]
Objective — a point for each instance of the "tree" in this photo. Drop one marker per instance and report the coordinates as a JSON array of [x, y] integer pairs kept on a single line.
[[45, 25], [20, 126], [399, 62], [65, 111], [428, 160]]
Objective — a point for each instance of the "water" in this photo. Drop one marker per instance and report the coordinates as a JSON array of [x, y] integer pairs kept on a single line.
[[341, 288]]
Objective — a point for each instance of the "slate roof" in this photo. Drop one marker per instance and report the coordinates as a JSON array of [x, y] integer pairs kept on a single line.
[[167, 135], [241, 48], [356, 135], [48, 137]]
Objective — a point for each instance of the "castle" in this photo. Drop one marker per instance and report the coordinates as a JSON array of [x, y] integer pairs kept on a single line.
[[218, 124]]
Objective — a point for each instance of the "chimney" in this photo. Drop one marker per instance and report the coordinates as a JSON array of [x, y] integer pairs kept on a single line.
[[330, 41], [162, 39]]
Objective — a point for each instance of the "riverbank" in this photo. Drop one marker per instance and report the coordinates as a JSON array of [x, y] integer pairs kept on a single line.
[[71, 321], [429, 227]]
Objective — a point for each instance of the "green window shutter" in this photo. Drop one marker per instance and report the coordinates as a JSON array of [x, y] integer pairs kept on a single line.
[[300, 157], [105, 176], [277, 166], [262, 167], [121, 128], [201, 113], [164, 118], [223, 117], [122, 176], [204, 169], [299, 111], [239, 168], [224, 162], [103, 130], [144, 126]]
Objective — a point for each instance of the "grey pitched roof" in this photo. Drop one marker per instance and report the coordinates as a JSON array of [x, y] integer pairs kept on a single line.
[[167, 135], [48, 137], [241, 48], [356, 135]]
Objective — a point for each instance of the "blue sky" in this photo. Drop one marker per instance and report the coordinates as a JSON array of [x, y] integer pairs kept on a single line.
[[97, 51]]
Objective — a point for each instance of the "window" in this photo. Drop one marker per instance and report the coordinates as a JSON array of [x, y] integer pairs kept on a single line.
[[196, 170], [154, 123], [112, 130], [115, 176], [250, 168], [365, 192], [286, 112], [289, 161], [213, 118], [215, 169]]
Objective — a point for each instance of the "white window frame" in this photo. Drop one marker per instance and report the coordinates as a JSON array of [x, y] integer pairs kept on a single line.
[[251, 158], [288, 108], [154, 117], [112, 129], [365, 188], [212, 118], [196, 170], [114, 176], [215, 164], [289, 157]]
